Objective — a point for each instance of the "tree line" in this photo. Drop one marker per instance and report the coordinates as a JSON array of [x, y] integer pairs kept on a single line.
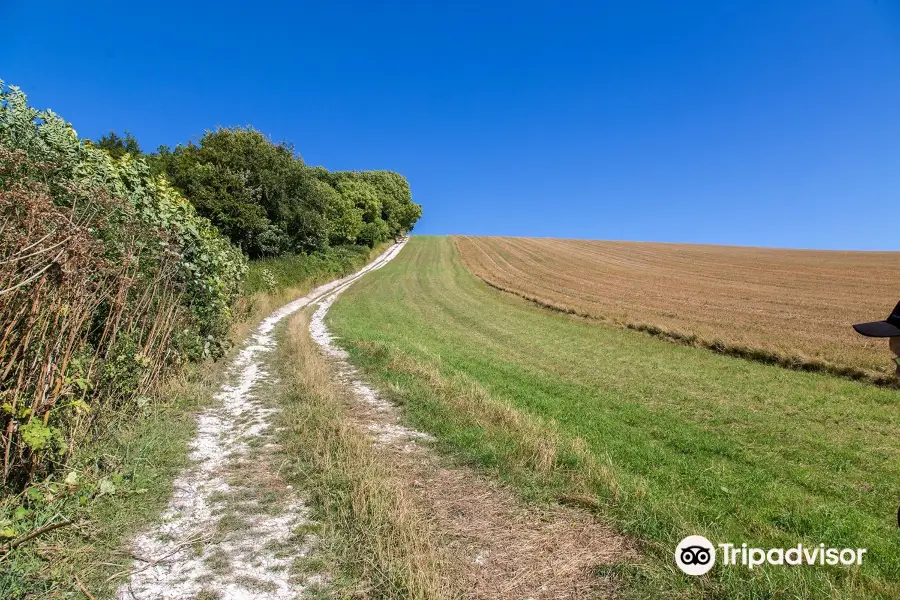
[[268, 202]]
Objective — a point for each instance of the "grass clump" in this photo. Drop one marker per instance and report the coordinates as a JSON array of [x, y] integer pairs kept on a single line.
[[375, 542]]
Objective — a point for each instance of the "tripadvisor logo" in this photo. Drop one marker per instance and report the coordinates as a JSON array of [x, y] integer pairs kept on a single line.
[[696, 555]]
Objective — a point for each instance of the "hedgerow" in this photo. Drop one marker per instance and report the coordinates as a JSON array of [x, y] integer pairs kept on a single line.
[[108, 279], [117, 267]]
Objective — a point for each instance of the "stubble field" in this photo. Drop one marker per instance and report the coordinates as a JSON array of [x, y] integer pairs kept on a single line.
[[794, 307]]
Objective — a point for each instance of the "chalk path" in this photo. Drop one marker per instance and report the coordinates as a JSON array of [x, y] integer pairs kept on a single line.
[[222, 533]]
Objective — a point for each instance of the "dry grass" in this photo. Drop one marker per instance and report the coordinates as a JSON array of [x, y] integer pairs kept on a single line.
[[381, 545], [539, 448], [406, 525], [792, 307], [506, 549]]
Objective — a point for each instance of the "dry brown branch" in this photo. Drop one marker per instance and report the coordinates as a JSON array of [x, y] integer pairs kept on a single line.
[[153, 562], [37, 532], [83, 589], [33, 277]]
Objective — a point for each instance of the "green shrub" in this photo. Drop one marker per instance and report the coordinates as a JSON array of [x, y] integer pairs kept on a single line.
[[108, 278], [276, 274]]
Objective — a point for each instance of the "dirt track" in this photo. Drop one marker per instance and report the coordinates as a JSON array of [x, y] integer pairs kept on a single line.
[[504, 549], [221, 534]]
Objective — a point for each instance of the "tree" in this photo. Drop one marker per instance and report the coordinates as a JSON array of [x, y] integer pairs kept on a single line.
[[257, 192], [268, 202], [345, 219], [397, 208], [117, 146]]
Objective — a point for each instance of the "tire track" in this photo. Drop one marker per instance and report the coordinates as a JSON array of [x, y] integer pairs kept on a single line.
[[503, 549]]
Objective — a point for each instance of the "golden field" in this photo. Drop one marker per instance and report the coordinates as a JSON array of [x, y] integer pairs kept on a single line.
[[794, 307]]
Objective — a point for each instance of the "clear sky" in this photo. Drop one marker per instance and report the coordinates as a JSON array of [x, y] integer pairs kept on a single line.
[[773, 123]]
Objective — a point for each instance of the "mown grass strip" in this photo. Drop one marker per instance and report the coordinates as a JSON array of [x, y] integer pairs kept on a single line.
[[761, 355], [664, 440]]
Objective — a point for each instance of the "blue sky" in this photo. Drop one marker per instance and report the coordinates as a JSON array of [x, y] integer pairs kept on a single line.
[[755, 123]]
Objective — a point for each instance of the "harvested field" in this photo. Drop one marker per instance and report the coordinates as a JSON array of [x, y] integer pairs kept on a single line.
[[794, 307]]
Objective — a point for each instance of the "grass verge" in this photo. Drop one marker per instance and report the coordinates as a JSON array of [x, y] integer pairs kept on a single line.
[[374, 542], [662, 440], [110, 490]]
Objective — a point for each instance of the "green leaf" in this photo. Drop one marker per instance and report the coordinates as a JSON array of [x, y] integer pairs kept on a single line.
[[36, 435], [35, 495]]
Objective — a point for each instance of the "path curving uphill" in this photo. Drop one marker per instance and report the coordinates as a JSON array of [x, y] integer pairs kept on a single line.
[[228, 530]]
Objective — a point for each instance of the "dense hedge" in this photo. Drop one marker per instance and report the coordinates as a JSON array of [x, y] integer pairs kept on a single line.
[[108, 278], [275, 274], [269, 203]]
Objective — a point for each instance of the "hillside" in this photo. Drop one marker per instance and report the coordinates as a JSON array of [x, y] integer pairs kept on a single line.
[[789, 306], [661, 439]]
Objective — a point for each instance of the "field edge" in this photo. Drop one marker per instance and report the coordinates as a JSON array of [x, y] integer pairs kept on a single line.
[[768, 357]]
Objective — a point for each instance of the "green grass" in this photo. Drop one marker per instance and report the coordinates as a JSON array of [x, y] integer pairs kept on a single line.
[[275, 274], [664, 440]]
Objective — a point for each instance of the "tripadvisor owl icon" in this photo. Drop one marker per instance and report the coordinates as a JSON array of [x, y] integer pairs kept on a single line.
[[695, 555]]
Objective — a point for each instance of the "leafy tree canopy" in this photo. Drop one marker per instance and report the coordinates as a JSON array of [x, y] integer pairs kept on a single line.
[[268, 202], [117, 146]]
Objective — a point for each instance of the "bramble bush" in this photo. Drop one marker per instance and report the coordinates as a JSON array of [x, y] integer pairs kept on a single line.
[[108, 279]]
